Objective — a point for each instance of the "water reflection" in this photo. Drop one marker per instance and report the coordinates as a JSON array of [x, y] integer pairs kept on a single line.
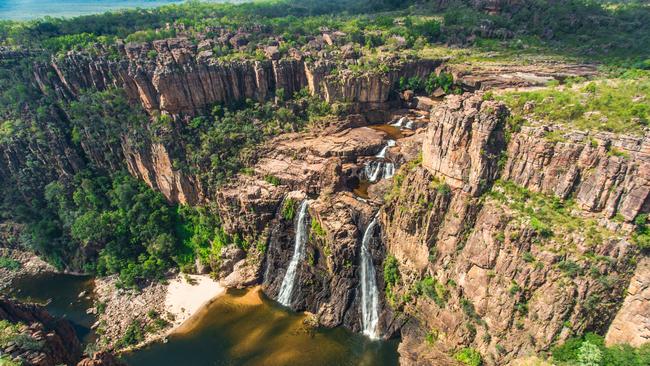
[[245, 328], [60, 295]]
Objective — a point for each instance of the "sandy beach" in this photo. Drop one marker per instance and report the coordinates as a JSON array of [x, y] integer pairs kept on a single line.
[[174, 301], [186, 294]]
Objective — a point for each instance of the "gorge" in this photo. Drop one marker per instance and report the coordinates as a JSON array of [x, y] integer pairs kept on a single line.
[[367, 183]]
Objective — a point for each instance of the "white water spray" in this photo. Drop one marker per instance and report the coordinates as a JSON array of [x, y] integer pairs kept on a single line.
[[369, 292], [286, 289]]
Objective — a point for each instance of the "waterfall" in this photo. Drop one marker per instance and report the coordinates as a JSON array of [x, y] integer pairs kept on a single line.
[[389, 170], [372, 170], [378, 169], [400, 122], [284, 296], [382, 153], [384, 150], [403, 122], [369, 292]]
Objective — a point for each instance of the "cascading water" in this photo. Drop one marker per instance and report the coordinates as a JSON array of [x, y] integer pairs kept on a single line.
[[389, 170], [378, 169], [372, 170], [369, 292], [286, 289], [384, 150], [404, 123]]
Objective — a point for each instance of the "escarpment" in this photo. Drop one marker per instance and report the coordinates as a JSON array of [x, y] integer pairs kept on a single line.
[[180, 79], [504, 273], [585, 167]]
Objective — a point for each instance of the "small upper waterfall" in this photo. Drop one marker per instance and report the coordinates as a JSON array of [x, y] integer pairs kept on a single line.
[[369, 292], [286, 289], [404, 123], [382, 168], [384, 150]]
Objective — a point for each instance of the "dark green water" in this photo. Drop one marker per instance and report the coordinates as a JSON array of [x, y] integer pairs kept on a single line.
[[61, 294], [245, 328], [239, 328]]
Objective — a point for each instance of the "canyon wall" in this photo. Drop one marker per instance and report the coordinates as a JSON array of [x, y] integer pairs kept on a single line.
[[175, 77], [501, 284]]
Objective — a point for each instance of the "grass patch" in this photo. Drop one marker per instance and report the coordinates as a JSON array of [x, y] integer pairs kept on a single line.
[[9, 264], [620, 105], [549, 216]]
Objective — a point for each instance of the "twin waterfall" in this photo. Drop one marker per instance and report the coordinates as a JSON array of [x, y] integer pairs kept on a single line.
[[284, 297], [369, 292]]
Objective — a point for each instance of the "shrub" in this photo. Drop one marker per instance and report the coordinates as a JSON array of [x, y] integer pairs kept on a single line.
[[316, 228], [132, 336], [432, 336], [469, 357], [273, 180], [9, 264], [289, 209], [433, 289], [391, 271], [11, 333], [570, 268], [641, 235], [591, 350]]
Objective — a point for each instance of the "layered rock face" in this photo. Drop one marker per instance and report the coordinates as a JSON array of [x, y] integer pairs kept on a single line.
[[463, 144], [473, 269], [632, 322], [180, 79], [584, 166], [44, 340]]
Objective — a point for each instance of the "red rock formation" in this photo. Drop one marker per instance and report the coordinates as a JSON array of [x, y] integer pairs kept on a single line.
[[57, 339]]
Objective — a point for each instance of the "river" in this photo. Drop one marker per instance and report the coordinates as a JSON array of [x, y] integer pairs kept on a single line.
[[60, 295], [242, 327]]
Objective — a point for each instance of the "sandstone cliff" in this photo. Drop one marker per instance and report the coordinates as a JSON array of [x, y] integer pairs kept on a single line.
[[181, 79], [42, 340], [495, 279]]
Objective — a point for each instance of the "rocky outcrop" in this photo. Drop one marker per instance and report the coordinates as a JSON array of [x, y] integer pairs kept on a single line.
[[101, 359], [632, 322], [604, 173], [40, 339], [473, 270], [153, 164], [464, 143], [181, 79]]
